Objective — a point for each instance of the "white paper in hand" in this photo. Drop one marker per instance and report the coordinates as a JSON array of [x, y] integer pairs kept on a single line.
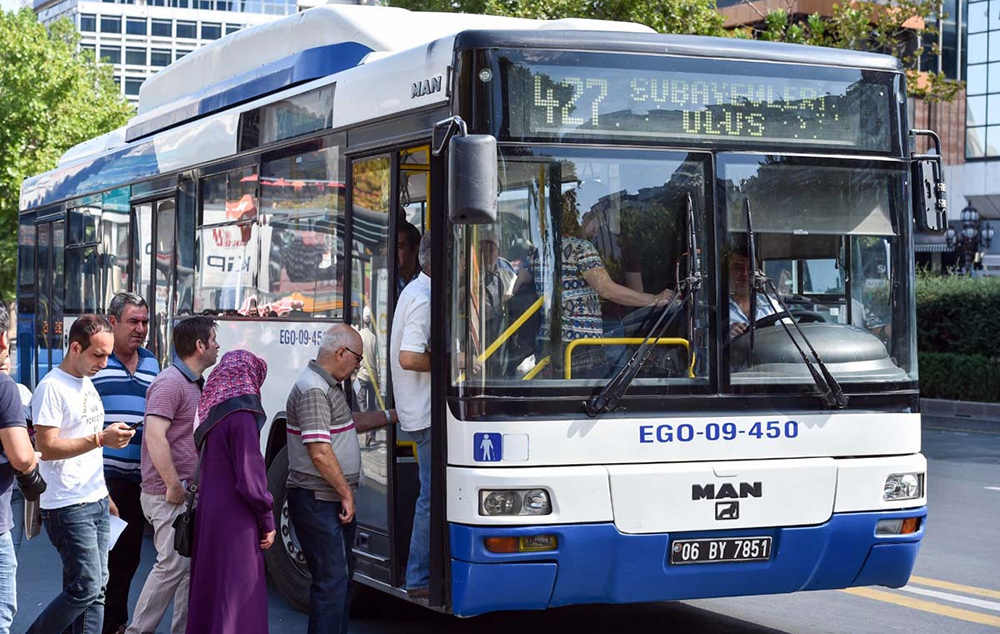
[[117, 526]]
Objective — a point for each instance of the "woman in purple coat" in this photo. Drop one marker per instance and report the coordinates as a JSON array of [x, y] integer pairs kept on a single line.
[[233, 522]]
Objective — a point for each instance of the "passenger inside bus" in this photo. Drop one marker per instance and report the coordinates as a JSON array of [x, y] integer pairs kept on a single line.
[[407, 244]]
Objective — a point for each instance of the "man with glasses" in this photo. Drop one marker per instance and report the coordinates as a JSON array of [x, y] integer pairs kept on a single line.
[[324, 467]]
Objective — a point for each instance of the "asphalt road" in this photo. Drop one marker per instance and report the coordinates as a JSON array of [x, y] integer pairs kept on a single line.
[[955, 587]]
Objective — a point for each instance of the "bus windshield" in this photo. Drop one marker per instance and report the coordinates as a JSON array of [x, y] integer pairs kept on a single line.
[[590, 244]]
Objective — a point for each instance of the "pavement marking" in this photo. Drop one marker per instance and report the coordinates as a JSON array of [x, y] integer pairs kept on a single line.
[[992, 488], [947, 596], [955, 587], [926, 606], [963, 431]]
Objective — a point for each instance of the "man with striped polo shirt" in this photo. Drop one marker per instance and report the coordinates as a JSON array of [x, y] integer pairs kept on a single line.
[[122, 386], [324, 466]]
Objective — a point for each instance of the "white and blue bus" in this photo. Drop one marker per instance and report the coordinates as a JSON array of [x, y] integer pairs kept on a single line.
[[590, 445]]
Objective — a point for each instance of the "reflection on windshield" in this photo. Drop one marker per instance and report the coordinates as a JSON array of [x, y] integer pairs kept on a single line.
[[566, 283], [826, 238]]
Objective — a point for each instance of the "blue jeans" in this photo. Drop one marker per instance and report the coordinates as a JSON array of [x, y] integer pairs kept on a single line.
[[326, 544], [418, 566], [80, 533], [8, 582], [17, 509]]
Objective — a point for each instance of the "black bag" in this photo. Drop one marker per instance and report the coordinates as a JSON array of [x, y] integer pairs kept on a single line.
[[184, 523]]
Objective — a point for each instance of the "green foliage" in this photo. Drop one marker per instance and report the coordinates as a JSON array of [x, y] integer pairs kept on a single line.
[[959, 377], [959, 315], [695, 17], [870, 26], [51, 98], [958, 335]]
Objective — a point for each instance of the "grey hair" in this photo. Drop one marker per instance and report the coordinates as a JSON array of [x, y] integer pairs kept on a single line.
[[425, 252], [123, 299], [340, 336]]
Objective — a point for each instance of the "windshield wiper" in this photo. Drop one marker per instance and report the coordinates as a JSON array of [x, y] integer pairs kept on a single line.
[[615, 389], [830, 391]]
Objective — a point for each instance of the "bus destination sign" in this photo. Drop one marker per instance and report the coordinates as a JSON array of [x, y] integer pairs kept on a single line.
[[699, 107]]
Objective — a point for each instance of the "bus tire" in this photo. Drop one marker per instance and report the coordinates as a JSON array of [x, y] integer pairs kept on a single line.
[[284, 561]]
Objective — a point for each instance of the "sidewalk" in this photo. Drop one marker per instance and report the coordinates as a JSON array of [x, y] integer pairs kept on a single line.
[[961, 415]]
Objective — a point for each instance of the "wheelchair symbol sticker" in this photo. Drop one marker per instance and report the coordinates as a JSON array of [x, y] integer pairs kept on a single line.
[[487, 447]]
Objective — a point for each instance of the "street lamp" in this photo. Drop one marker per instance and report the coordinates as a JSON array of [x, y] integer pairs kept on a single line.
[[975, 233]]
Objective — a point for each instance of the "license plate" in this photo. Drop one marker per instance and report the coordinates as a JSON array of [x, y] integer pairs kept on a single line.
[[729, 549]]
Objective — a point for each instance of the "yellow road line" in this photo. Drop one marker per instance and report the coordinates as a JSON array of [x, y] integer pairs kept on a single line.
[[955, 587], [926, 606]]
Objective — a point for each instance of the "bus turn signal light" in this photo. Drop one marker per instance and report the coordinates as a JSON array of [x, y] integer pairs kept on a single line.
[[523, 544], [910, 525]]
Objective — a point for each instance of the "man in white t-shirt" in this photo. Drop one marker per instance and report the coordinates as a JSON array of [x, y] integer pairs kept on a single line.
[[410, 359], [69, 431]]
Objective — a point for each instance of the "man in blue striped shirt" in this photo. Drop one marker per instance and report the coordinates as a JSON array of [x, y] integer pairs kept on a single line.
[[122, 386]]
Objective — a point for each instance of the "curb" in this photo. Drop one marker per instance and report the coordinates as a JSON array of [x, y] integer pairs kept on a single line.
[[971, 416]]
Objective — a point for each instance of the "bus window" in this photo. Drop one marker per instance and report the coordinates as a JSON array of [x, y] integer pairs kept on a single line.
[[302, 233], [227, 244], [562, 285], [115, 244]]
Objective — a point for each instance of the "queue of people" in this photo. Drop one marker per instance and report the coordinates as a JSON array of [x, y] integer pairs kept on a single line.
[[116, 436]]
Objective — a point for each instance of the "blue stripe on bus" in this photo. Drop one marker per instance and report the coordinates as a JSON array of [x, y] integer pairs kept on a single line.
[[295, 69], [595, 563]]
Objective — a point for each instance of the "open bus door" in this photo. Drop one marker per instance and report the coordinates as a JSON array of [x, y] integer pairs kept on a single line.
[[386, 190], [153, 262]]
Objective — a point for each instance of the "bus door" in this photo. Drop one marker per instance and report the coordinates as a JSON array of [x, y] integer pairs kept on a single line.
[[387, 190], [153, 262], [49, 256]]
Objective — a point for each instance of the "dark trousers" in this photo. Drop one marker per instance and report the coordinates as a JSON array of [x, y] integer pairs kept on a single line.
[[124, 558], [326, 544]]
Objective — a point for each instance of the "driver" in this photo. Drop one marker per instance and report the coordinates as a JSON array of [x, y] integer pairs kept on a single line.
[[739, 294]]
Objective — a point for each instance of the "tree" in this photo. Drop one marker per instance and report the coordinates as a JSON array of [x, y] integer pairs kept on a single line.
[[52, 96], [891, 28], [693, 17]]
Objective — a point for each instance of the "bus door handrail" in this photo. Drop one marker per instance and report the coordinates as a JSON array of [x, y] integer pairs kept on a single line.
[[619, 341], [506, 334]]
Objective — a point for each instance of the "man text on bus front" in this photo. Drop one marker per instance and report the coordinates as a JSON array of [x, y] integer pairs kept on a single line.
[[16, 454], [69, 429], [410, 360], [169, 461], [122, 386], [324, 468]]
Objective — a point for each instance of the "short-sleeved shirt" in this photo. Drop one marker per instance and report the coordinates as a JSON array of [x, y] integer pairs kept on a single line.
[[11, 415], [765, 307], [173, 395], [581, 305], [72, 405], [411, 332], [124, 397], [318, 412]]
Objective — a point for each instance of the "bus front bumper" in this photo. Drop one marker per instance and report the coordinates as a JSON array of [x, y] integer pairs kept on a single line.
[[595, 563]]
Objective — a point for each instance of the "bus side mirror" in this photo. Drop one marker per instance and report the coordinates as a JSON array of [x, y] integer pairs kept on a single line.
[[930, 205], [472, 179]]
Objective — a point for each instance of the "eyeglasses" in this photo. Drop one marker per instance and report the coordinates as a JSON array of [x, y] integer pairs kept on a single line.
[[359, 357]]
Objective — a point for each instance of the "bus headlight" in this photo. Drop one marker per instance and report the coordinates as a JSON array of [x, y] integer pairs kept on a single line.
[[903, 486], [515, 502]]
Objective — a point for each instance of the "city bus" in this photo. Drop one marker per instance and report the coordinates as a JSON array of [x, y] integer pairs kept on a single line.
[[605, 205]]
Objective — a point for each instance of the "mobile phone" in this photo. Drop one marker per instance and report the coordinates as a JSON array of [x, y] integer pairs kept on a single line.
[[135, 426]]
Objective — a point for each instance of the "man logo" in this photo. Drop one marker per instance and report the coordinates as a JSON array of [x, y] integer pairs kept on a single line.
[[727, 510]]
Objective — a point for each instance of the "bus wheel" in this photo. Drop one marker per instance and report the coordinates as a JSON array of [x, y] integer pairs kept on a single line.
[[285, 561]]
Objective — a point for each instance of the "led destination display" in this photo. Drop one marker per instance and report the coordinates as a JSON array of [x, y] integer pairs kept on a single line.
[[724, 101]]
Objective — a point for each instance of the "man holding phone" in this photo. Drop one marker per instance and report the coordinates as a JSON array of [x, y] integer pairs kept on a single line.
[[122, 386], [69, 420]]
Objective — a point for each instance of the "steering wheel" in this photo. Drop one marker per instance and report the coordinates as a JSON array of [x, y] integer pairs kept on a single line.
[[801, 316]]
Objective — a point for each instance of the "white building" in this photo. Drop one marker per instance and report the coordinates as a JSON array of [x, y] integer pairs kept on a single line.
[[140, 37]]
